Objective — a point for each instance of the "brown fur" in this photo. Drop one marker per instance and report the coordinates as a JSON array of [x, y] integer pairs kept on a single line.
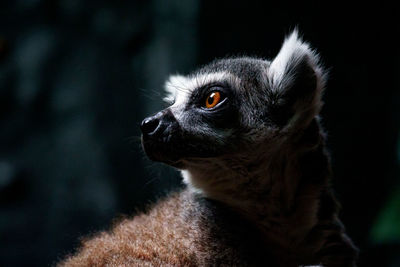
[[132, 242], [176, 232]]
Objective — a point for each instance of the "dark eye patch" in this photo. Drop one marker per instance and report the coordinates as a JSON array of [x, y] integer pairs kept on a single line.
[[223, 116], [200, 94]]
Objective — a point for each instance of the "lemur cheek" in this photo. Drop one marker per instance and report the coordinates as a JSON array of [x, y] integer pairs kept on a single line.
[[225, 119]]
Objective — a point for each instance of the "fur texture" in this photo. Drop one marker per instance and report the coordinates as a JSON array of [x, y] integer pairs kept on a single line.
[[183, 230], [256, 168]]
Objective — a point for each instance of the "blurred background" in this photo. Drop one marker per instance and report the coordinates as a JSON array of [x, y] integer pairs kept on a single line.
[[77, 78]]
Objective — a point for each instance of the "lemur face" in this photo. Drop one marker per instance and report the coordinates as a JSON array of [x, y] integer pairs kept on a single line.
[[202, 121], [234, 104]]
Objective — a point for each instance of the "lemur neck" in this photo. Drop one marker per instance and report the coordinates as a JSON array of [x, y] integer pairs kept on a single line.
[[279, 192]]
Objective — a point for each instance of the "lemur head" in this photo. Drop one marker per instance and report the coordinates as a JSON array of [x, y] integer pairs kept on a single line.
[[233, 107]]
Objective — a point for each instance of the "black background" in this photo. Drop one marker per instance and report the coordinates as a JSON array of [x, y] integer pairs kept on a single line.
[[77, 77]]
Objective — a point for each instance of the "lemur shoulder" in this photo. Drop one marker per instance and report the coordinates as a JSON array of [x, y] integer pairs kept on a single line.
[[246, 135]]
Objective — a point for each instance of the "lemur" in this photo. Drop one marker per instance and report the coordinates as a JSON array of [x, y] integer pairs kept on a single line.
[[246, 135]]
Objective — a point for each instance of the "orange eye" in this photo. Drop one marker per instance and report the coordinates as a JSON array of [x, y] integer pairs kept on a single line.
[[213, 99]]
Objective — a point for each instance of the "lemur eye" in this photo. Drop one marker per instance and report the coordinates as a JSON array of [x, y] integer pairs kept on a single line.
[[213, 99]]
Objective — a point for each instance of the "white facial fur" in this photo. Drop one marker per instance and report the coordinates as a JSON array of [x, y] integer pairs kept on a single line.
[[179, 88]]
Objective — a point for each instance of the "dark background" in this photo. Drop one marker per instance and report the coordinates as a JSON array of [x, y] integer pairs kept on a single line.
[[77, 77]]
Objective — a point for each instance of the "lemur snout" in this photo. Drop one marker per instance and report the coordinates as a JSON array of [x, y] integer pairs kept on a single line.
[[159, 135], [156, 126], [149, 125]]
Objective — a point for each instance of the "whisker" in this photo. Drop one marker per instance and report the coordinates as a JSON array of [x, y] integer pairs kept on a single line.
[[181, 89], [133, 139]]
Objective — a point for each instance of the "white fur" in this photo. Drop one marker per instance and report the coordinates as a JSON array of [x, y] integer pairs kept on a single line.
[[187, 179], [280, 75], [172, 87], [179, 88], [293, 50]]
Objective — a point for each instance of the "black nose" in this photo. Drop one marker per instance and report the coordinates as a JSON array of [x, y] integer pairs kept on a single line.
[[149, 125]]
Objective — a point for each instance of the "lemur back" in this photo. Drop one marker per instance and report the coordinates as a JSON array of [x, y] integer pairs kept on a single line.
[[246, 135], [184, 229]]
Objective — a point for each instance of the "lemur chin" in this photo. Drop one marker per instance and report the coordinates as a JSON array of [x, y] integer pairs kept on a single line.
[[246, 135]]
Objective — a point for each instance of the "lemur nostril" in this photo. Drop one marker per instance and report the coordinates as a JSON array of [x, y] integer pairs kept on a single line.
[[149, 125]]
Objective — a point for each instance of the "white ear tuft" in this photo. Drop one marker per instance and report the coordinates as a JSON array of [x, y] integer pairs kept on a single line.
[[293, 52], [296, 76], [172, 86]]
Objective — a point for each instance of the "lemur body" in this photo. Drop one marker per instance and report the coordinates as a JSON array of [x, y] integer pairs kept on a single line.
[[246, 135]]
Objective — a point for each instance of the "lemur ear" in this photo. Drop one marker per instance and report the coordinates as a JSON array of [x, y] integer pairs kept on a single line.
[[296, 77]]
